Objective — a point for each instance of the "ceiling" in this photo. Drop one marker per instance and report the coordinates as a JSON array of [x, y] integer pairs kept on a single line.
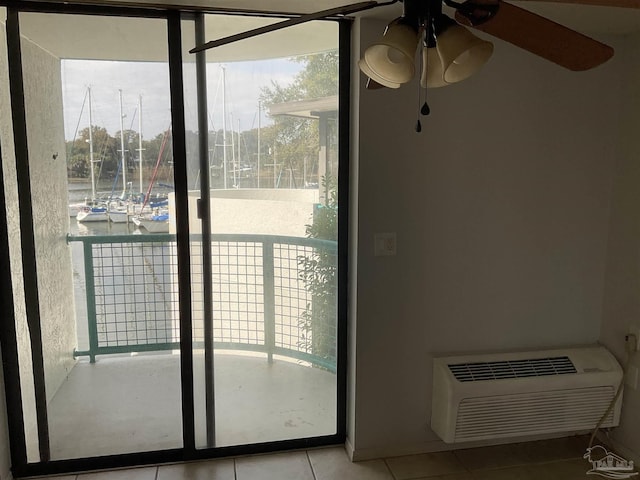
[[109, 38], [585, 18]]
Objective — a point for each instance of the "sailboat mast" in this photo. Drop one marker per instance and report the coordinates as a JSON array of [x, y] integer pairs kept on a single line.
[[233, 153], [259, 128], [140, 138], [224, 127], [124, 169], [238, 161], [93, 172]]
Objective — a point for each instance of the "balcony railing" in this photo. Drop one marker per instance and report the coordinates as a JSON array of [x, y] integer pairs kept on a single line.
[[261, 302]]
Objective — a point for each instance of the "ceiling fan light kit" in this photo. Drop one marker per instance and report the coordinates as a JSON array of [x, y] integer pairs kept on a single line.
[[450, 52], [461, 53], [390, 62], [433, 71]]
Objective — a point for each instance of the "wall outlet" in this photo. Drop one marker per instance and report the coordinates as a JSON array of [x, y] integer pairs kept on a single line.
[[384, 244]]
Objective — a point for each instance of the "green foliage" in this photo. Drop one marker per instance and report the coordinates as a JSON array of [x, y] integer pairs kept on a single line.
[[319, 271], [293, 140], [107, 156], [319, 77], [78, 166]]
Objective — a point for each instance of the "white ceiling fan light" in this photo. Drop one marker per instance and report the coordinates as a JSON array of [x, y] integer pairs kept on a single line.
[[461, 53], [432, 69], [374, 77], [391, 61]]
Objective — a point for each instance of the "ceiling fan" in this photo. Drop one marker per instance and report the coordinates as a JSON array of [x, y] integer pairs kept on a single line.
[[450, 52]]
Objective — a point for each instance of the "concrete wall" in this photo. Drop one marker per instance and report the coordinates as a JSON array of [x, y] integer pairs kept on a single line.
[[11, 193], [5, 451], [260, 212], [43, 97], [622, 281], [45, 132], [501, 209]]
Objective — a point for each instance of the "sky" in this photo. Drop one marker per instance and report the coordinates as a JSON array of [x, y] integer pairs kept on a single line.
[[150, 80]]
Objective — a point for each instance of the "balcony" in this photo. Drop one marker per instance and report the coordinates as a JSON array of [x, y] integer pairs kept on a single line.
[[274, 362]]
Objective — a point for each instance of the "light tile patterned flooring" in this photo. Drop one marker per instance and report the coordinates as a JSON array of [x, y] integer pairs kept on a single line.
[[558, 459]]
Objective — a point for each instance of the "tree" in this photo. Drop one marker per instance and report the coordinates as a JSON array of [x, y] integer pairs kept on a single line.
[[294, 140], [108, 157], [104, 152]]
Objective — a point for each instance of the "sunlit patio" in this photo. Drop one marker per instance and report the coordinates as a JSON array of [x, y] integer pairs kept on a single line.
[[124, 404], [273, 368]]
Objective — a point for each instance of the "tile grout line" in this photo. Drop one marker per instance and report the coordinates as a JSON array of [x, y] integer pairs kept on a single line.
[[467, 470], [235, 470], [313, 473], [389, 469], [157, 473]]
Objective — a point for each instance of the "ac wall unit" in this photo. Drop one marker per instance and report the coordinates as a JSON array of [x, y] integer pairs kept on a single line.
[[489, 396]]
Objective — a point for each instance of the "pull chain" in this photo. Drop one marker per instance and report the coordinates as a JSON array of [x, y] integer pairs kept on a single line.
[[424, 67], [425, 110], [418, 124]]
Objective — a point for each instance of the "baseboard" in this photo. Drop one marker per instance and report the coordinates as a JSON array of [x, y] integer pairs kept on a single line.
[[362, 454], [349, 448]]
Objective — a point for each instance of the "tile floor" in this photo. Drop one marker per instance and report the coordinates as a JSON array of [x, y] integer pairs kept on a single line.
[[558, 459]]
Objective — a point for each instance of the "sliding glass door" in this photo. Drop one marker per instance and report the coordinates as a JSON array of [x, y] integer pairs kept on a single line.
[[264, 177], [176, 289], [98, 133]]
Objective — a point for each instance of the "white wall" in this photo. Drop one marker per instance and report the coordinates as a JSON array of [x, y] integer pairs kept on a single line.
[[501, 209], [622, 281]]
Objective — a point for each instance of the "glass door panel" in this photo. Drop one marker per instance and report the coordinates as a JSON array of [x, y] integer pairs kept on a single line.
[[269, 327], [99, 135]]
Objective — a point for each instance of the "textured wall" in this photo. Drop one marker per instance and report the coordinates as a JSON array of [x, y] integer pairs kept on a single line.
[[43, 97], [11, 193], [45, 133]]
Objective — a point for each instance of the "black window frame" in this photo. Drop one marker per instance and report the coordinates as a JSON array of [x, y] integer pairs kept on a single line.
[[8, 341]]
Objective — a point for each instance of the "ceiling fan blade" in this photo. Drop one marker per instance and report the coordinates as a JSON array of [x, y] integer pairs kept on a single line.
[[344, 10], [543, 37], [602, 3]]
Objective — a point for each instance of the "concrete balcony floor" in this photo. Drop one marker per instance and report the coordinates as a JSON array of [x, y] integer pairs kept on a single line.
[[125, 404]]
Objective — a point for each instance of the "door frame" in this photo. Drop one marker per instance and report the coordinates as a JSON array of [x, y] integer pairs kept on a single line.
[[8, 341]]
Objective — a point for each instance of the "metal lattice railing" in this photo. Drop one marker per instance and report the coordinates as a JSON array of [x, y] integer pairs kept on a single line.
[[260, 300]]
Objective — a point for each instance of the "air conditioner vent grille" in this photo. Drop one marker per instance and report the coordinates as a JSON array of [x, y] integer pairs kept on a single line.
[[533, 413], [533, 367]]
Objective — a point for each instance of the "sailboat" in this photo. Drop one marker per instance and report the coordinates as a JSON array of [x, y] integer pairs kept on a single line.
[[121, 213], [92, 212], [158, 220], [153, 223]]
